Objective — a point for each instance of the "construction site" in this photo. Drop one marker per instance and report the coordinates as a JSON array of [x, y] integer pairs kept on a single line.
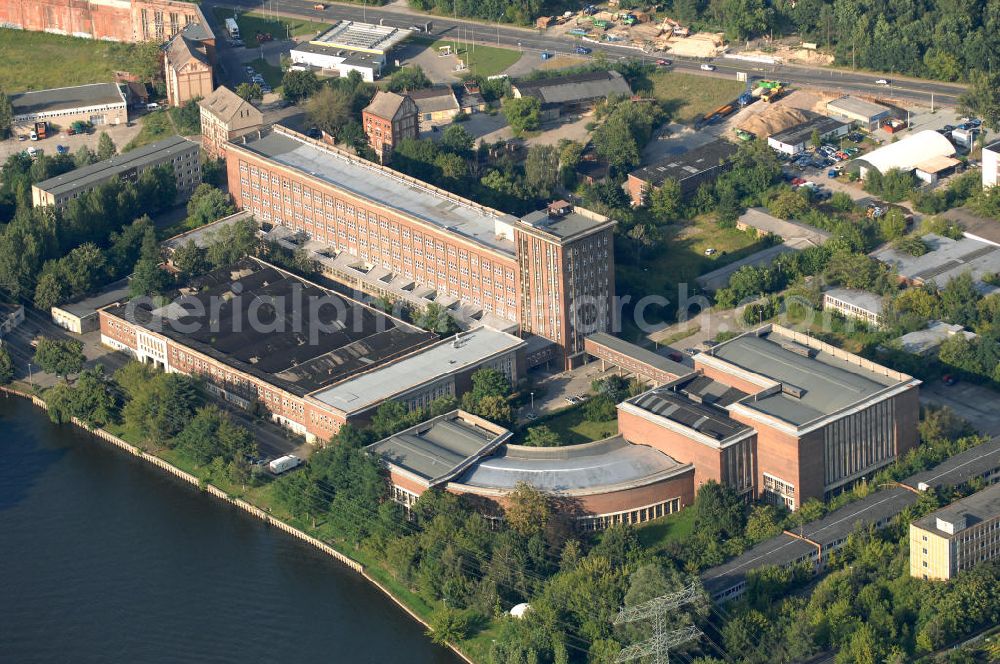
[[635, 29]]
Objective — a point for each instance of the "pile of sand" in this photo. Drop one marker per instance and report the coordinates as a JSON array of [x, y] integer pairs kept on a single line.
[[698, 45], [773, 120]]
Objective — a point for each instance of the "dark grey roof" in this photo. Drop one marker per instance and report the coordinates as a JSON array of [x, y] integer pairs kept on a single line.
[[875, 509], [816, 383], [566, 226], [105, 170], [596, 467], [435, 99], [697, 404], [946, 259], [687, 164], [640, 354], [114, 292], [345, 337], [437, 449], [58, 99], [858, 107], [979, 461], [993, 147], [575, 88], [980, 506], [829, 532], [802, 133]]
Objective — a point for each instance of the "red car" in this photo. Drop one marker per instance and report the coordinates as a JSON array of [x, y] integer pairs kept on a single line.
[[798, 181], [664, 63]]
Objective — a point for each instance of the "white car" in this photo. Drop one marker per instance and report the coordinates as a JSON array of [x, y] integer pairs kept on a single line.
[[707, 67], [882, 81], [152, 106], [710, 251]]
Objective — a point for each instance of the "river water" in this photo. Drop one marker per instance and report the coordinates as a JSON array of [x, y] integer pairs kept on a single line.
[[105, 559]]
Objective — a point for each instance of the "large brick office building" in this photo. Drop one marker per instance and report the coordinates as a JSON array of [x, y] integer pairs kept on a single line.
[[550, 273], [313, 369], [779, 415], [109, 20]]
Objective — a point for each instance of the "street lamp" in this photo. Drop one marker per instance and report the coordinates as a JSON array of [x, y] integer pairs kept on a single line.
[[30, 381], [532, 402]]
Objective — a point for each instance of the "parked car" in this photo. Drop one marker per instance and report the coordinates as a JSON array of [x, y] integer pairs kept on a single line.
[[707, 67], [582, 50], [545, 55], [852, 151], [663, 62], [949, 379], [62, 149], [883, 81], [798, 181], [152, 106], [711, 251], [32, 152], [676, 356], [22, 137], [856, 137]]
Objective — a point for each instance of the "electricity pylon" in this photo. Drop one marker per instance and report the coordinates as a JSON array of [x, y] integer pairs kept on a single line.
[[663, 640]]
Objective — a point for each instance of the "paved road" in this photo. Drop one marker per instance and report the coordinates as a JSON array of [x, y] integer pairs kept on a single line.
[[535, 41]]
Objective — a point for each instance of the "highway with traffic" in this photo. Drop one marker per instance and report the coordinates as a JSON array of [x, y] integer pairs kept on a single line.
[[925, 92]]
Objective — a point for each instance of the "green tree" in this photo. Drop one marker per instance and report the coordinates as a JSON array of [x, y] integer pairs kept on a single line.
[[448, 625], [541, 436], [149, 278], [718, 510], [527, 510], [815, 139], [6, 115], [892, 224], [298, 85], [522, 113], [232, 242], [408, 78], [59, 356], [84, 156], [190, 259], [105, 147], [788, 204], [982, 97], [207, 204], [493, 408], [250, 91], [6, 366], [763, 523], [330, 109], [458, 140], [541, 169], [435, 318], [665, 200]]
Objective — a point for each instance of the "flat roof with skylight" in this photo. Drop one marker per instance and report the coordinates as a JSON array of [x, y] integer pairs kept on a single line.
[[363, 37], [461, 352], [802, 379]]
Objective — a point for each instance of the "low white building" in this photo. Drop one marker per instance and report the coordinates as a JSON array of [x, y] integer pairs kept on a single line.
[[928, 341], [927, 154], [11, 315], [853, 303], [349, 46], [81, 317], [794, 140], [991, 165]]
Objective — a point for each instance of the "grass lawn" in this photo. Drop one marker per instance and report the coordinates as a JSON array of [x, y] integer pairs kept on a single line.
[[155, 126], [655, 535], [271, 73], [482, 60], [687, 96], [251, 23], [680, 259], [37, 60], [572, 428]]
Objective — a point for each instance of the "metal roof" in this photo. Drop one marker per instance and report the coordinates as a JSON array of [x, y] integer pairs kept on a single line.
[[639, 353], [698, 404], [813, 381], [102, 171], [113, 292], [922, 342], [762, 220], [876, 508], [849, 105], [301, 344], [945, 260], [687, 164], [907, 153], [385, 187], [802, 133], [59, 99], [204, 235], [462, 352], [598, 467], [575, 88], [435, 99], [439, 448], [365, 37]]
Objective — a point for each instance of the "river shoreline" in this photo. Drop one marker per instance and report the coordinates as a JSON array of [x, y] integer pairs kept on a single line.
[[244, 506]]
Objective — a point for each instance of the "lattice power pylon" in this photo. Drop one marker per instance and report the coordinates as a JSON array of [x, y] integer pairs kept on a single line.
[[663, 640]]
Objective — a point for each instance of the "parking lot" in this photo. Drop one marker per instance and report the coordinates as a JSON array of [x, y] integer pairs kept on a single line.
[[120, 134]]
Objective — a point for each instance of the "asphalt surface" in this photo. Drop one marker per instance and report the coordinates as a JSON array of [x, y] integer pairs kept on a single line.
[[525, 39]]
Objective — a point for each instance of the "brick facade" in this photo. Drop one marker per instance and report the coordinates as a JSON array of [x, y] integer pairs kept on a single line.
[[112, 20]]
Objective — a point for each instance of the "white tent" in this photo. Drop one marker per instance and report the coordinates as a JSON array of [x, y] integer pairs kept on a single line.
[[906, 154]]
